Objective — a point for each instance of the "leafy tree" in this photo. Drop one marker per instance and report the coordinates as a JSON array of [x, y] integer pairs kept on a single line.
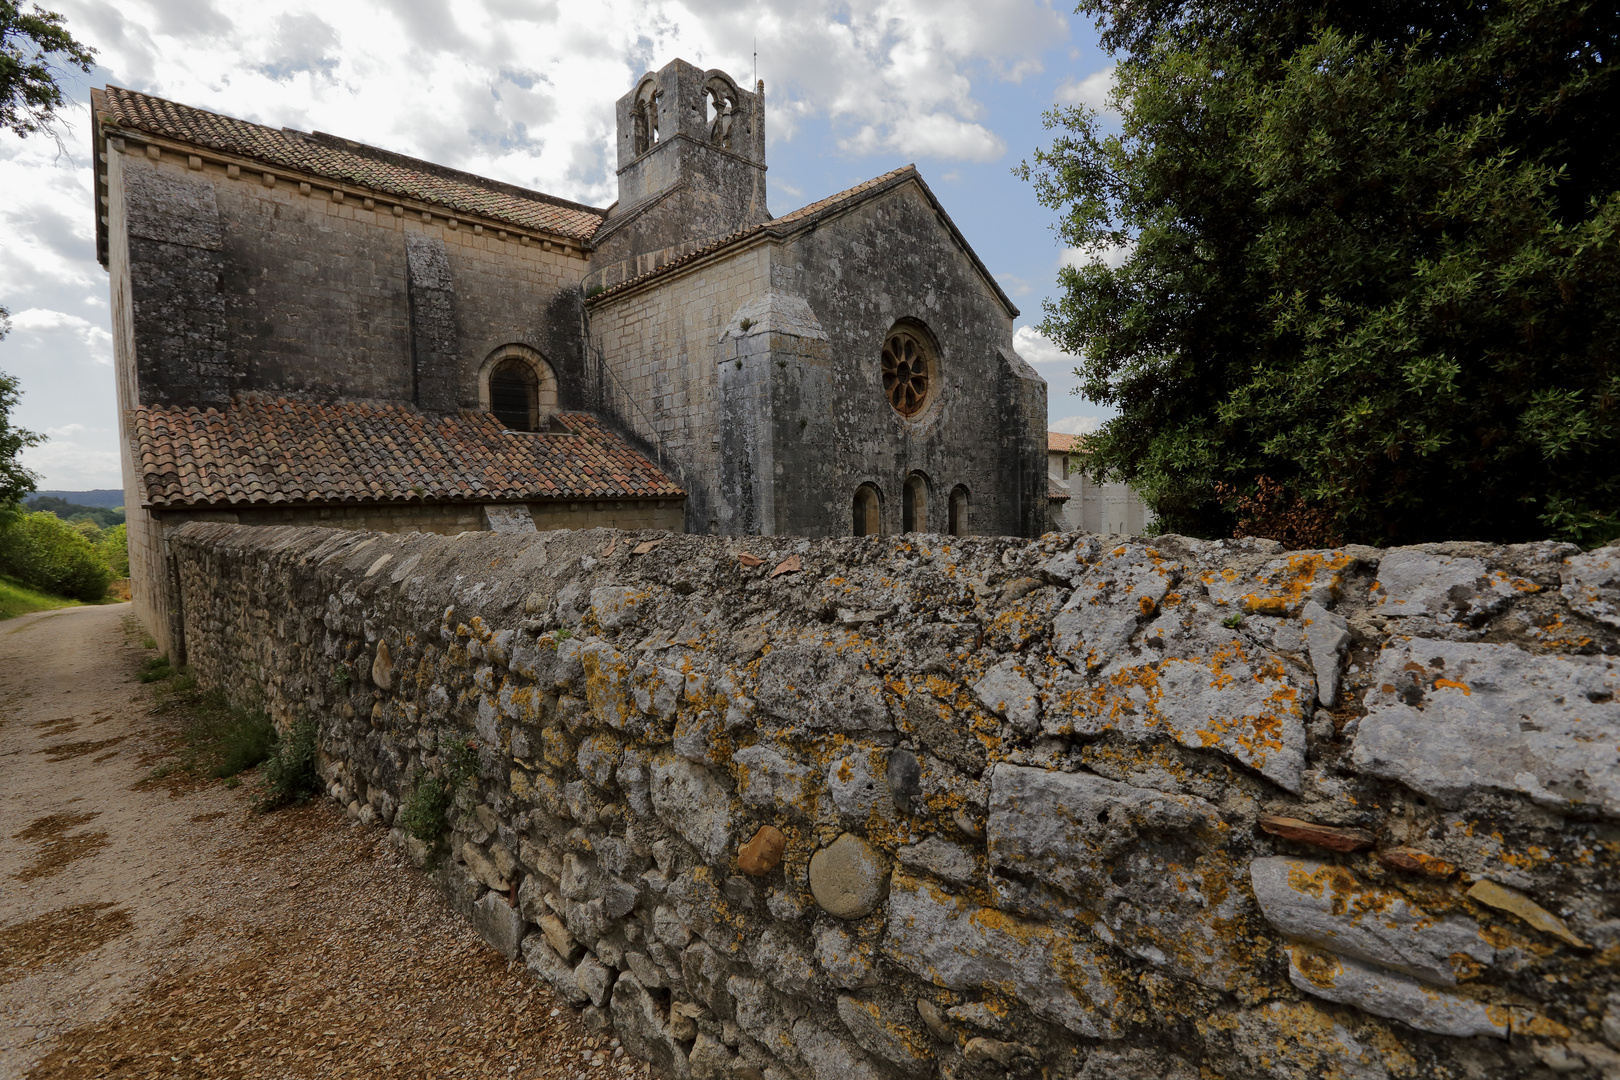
[[1374, 292], [47, 553], [30, 94], [15, 481]]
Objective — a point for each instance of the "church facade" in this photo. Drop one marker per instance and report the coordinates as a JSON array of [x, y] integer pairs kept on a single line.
[[311, 330]]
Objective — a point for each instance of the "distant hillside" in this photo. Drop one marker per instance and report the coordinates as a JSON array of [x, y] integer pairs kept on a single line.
[[105, 497], [69, 511]]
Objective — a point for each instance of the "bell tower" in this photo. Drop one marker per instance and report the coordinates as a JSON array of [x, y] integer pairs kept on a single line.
[[691, 161]]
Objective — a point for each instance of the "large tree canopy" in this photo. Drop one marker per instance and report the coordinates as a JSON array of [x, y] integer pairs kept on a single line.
[[15, 481], [29, 92], [1374, 293]]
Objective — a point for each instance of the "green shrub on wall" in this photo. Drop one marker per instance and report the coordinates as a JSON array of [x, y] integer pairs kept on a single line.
[[47, 553]]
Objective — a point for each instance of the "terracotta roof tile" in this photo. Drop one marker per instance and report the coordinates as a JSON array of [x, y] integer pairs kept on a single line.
[[264, 451], [1056, 492], [1059, 442], [339, 159]]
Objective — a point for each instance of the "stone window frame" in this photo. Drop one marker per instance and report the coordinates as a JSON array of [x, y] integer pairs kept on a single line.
[[644, 133], [544, 405], [958, 511], [866, 510], [914, 498], [919, 330]]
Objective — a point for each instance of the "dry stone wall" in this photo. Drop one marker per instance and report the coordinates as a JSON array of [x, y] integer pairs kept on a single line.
[[870, 808]]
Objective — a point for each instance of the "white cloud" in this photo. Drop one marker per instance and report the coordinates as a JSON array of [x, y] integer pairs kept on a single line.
[[1076, 425], [1112, 256], [87, 460], [39, 323], [1038, 349], [1091, 91]]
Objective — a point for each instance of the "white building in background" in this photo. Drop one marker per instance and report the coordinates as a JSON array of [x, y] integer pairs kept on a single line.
[[1078, 505]]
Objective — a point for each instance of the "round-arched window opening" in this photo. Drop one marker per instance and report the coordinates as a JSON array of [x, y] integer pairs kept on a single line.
[[914, 504], [958, 523], [514, 395], [910, 369], [518, 387], [868, 511]]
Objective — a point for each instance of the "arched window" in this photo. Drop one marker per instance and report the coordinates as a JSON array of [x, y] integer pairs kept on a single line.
[[868, 511], [914, 504], [518, 387], [958, 523], [645, 117]]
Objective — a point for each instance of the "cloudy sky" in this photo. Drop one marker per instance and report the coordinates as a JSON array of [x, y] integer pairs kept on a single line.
[[523, 91]]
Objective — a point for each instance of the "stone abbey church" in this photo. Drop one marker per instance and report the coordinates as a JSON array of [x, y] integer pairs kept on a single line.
[[310, 330]]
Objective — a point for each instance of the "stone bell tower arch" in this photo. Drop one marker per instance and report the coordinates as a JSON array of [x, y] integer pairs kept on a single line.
[[691, 164]]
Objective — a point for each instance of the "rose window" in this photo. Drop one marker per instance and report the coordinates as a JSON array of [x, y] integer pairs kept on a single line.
[[908, 368]]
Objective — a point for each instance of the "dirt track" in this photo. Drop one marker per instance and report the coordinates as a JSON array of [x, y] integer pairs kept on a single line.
[[164, 929]]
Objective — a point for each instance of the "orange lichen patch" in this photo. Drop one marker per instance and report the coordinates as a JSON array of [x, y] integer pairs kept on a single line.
[[1321, 968], [1454, 684], [1347, 893], [1525, 1022], [1265, 605]]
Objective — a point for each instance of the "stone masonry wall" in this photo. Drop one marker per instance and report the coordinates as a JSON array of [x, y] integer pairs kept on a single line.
[[874, 808]]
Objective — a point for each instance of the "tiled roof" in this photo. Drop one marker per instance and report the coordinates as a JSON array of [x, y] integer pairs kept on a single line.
[[1055, 492], [804, 217], [349, 162], [1060, 443], [264, 451]]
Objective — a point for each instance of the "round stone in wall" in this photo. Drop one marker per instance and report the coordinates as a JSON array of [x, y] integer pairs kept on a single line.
[[849, 878]]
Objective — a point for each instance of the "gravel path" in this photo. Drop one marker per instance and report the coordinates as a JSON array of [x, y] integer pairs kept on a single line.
[[161, 928]]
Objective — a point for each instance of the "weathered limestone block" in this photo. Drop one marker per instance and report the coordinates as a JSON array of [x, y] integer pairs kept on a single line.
[[1399, 997], [1329, 907], [1451, 718], [1591, 584], [945, 860], [1213, 688], [1120, 592], [1327, 636], [859, 788], [618, 606], [642, 1030], [1006, 692], [769, 780], [1127, 858], [499, 923], [841, 956], [1444, 588], [1278, 586], [885, 1035], [956, 944], [690, 801], [547, 965], [816, 685], [829, 1057]]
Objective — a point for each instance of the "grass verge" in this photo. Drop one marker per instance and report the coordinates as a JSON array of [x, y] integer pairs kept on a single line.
[[18, 599]]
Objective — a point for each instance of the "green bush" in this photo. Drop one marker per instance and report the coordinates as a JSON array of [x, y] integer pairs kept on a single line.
[[114, 548], [289, 774], [47, 553]]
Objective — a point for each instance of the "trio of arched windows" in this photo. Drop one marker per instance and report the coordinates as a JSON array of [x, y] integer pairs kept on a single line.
[[868, 508]]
